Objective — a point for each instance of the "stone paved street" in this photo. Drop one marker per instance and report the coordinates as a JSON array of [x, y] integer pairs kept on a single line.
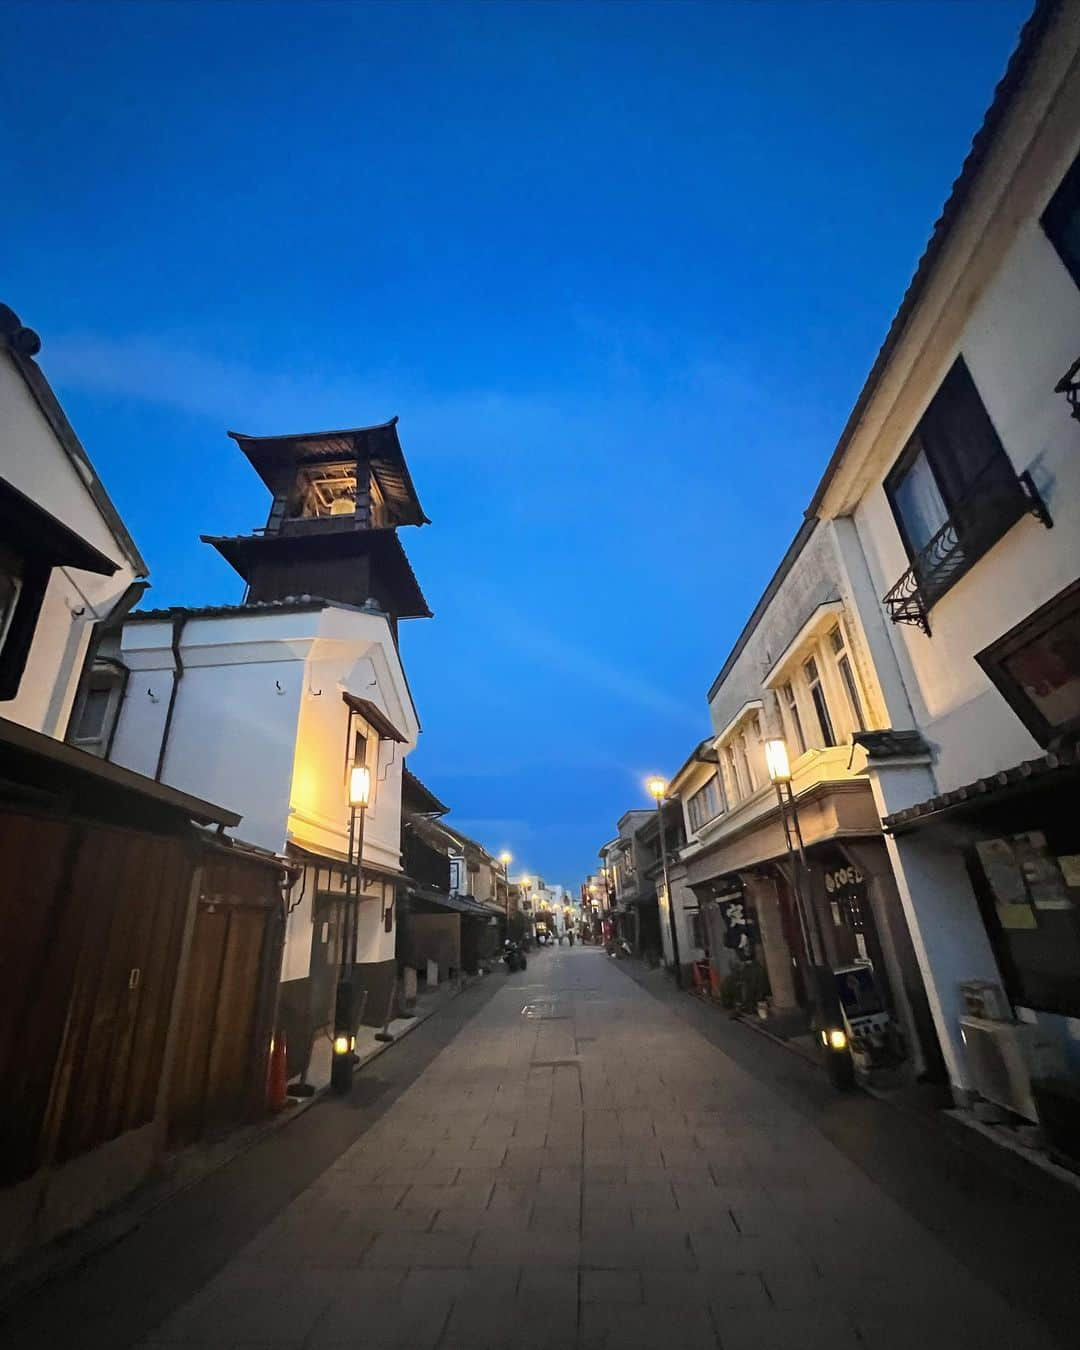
[[580, 1168]]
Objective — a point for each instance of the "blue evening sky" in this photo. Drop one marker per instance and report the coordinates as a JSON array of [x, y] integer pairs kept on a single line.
[[620, 268]]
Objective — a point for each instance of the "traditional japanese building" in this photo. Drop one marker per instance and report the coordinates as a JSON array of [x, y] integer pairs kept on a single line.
[[270, 703]]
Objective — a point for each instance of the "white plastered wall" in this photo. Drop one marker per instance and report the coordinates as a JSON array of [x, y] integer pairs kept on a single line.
[[32, 460]]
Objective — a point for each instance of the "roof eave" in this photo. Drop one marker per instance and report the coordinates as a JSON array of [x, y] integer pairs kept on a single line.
[[41, 391], [1031, 36]]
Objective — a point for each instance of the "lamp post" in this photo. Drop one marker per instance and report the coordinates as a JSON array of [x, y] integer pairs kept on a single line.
[[506, 858], [658, 791], [838, 1061], [344, 1027]]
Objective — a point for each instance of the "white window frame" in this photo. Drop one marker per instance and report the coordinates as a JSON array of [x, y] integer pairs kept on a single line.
[[697, 795], [97, 744], [853, 698], [9, 614]]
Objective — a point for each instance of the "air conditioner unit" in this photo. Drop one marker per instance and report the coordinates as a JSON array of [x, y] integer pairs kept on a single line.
[[1001, 1057]]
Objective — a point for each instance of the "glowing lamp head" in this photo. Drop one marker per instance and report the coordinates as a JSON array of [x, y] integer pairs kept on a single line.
[[359, 785], [341, 1045], [776, 759], [506, 858], [834, 1039], [657, 788]]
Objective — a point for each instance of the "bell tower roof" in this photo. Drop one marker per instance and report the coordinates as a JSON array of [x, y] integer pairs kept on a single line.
[[339, 498], [279, 459]]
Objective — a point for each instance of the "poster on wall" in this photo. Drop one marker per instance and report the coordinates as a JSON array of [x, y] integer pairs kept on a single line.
[[1024, 878], [1006, 882], [1042, 875]]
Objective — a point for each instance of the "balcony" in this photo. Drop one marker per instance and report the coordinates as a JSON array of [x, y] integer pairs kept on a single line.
[[997, 500]]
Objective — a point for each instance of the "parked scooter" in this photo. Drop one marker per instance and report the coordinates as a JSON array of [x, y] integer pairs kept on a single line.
[[513, 956]]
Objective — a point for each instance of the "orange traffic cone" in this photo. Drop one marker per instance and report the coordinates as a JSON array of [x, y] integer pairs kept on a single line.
[[277, 1094]]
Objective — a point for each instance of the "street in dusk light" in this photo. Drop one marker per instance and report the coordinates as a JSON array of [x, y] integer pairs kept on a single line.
[[637, 903]]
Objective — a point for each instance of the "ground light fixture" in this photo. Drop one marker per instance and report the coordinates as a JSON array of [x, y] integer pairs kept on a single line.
[[828, 1015], [657, 789], [344, 1042]]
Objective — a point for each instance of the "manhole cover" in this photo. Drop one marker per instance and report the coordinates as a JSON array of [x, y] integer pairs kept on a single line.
[[544, 1011]]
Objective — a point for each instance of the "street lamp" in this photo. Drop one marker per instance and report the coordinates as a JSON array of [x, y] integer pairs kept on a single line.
[[658, 791], [344, 1034], [838, 1062], [506, 858]]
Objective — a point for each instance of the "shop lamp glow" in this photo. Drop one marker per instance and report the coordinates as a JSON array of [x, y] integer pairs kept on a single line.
[[359, 785], [776, 759]]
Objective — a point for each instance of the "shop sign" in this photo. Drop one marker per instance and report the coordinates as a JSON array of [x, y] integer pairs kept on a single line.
[[738, 924]]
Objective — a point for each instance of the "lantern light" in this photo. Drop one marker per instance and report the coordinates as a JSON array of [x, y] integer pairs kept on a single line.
[[360, 785], [776, 758]]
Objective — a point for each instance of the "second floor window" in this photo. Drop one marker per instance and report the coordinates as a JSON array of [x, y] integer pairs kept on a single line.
[[738, 788], [746, 759], [817, 697], [953, 491], [791, 709], [838, 647], [705, 804], [1061, 220]]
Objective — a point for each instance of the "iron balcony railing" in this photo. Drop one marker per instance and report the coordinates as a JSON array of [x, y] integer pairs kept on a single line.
[[997, 500]]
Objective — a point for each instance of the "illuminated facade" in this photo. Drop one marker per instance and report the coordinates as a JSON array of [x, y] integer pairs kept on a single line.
[[271, 703]]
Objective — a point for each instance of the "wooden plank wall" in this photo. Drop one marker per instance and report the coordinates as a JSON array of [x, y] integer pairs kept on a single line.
[[228, 1001], [93, 920]]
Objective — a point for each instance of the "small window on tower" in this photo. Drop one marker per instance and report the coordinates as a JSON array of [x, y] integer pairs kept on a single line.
[[327, 490]]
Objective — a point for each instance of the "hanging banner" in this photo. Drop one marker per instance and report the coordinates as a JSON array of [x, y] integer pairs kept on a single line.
[[739, 928]]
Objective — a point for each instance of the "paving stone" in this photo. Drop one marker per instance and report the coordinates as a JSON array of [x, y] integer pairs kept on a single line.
[[357, 1320], [683, 1205], [458, 1282], [417, 1249], [461, 1196], [548, 1284], [778, 1329], [525, 1248], [555, 1218], [620, 1326], [430, 1174], [611, 1286], [240, 1312], [513, 1195]]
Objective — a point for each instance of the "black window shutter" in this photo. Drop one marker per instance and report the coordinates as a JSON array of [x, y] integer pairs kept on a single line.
[[1061, 220], [960, 441]]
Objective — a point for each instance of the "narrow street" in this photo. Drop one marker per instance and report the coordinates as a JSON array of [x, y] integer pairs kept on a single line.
[[565, 1163]]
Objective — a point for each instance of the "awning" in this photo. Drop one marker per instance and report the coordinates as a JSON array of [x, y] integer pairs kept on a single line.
[[457, 904], [369, 869], [417, 797], [1059, 769], [375, 717], [35, 765], [31, 530]]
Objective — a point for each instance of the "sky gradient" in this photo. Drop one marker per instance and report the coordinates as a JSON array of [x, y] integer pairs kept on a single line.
[[620, 269]]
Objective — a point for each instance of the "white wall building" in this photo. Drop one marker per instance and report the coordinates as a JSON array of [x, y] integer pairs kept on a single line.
[[958, 456], [270, 705], [67, 563], [800, 670]]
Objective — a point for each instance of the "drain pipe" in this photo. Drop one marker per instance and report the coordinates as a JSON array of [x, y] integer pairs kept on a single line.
[[179, 619]]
